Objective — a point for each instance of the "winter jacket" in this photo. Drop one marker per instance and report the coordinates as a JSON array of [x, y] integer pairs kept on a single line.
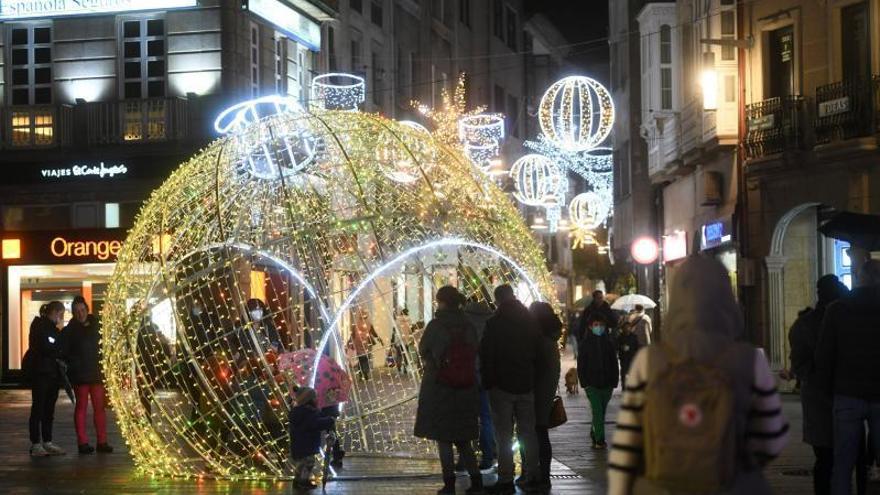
[[547, 375], [816, 401], [602, 311], [509, 349], [445, 413], [82, 351], [628, 344], [306, 425], [44, 346], [597, 361], [849, 346], [642, 328]]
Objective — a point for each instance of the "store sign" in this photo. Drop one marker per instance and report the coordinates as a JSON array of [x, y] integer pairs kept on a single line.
[[291, 22], [674, 246], [102, 250], [100, 171], [834, 107], [762, 123], [715, 234], [29, 9]]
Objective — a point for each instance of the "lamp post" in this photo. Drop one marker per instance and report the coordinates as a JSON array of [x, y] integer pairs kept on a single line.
[[644, 251]]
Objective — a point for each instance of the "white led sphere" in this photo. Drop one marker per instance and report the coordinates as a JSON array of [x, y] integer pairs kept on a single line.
[[576, 113], [536, 179], [338, 91], [589, 210]]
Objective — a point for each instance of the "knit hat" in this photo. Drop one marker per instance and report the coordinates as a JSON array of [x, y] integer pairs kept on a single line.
[[304, 395]]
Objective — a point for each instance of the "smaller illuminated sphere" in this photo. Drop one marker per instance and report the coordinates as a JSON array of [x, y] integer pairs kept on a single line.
[[338, 91], [644, 250], [536, 179], [576, 113], [589, 210]]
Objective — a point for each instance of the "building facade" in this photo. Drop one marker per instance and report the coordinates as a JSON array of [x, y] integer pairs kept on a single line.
[[812, 123], [98, 105]]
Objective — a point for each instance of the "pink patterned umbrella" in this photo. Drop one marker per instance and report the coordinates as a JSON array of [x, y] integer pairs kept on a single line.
[[332, 383]]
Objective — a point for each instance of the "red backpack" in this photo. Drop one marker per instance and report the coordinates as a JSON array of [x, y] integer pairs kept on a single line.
[[458, 367]]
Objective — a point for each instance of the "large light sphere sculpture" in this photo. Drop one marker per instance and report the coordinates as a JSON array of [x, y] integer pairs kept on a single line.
[[576, 113], [536, 180], [327, 249], [589, 210]]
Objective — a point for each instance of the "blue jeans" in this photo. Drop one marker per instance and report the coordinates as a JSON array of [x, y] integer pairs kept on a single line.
[[487, 431], [850, 415]]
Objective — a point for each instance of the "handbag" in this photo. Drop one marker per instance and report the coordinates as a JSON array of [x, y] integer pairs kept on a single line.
[[558, 416]]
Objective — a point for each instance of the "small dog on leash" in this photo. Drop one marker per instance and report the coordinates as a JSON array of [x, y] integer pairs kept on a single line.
[[571, 381]]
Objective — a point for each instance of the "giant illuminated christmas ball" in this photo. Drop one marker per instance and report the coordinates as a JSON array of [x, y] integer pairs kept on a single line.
[[297, 231], [576, 113]]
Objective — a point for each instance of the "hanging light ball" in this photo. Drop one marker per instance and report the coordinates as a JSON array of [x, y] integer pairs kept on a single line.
[[576, 113], [589, 210], [337, 91], [536, 179]]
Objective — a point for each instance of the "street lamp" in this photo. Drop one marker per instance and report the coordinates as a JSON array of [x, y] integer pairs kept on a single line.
[[644, 250], [709, 82]]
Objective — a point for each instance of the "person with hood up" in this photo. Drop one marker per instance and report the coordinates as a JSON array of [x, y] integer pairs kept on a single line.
[[82, 351], [598, 372], [508, 362], [598, 308], [846, 367], [701, 333], [815, 401], [546, 384], [448, 414], [44, 350], [478, 312], [306, 425]]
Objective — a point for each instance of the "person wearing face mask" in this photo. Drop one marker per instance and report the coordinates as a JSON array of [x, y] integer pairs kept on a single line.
[[44, 349], [597, 371]]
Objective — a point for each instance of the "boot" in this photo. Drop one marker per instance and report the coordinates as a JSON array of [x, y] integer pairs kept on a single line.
[[448, 487], [476, 487]]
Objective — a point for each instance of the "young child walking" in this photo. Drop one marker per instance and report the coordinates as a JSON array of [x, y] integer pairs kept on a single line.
[[306, 425]]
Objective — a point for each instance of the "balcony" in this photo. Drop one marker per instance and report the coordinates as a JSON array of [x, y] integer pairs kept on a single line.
[[36, 126], [664, 146], [774, 126], [847, 110], [143, 120]]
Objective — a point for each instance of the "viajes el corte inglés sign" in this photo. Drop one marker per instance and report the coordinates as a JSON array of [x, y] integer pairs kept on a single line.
[[99, 171], [26, 9]]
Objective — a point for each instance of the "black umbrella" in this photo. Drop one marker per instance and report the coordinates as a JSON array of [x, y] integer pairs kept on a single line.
[[65, 380], [858, 229]]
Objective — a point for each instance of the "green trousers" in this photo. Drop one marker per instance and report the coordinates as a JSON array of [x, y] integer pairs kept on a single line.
[[599, 398]]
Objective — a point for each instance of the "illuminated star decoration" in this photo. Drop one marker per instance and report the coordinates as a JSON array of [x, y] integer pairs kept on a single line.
[[453, 108], [362, 232]]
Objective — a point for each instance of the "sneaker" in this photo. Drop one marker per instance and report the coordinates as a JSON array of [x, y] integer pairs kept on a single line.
[[501, 488], [105, 448], [53, 449], [37, 450], [85, 448]]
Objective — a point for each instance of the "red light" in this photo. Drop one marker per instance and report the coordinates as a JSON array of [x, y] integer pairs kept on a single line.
[[644, 250]]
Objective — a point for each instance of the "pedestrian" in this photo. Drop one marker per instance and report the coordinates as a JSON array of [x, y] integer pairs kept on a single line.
[[598, 306], [641, 325], [508, 360], [701, 413], [306, 424], [628, 345], [449, 399], [570, 330], [82, 352], [363, 339], [597, 370], [816, 402], [44, 351], [546, 385], [478, 312], [847, 354], [402, 341]]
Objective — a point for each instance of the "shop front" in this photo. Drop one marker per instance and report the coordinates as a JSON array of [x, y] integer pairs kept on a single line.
[[39, 267], [716, 240]]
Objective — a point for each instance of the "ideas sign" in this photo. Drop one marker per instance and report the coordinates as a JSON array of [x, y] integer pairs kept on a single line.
[[99, 171], [27, 9]]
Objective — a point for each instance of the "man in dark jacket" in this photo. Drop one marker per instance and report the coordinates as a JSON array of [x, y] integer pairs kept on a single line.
[[846, 366], [44, 350], [815, 401], [508, 359], [82, 351]]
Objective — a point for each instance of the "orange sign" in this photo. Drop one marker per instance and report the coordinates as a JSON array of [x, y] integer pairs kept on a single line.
[[102, 250]]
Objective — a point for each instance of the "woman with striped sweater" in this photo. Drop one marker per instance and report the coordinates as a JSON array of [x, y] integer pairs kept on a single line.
[[700, 337]]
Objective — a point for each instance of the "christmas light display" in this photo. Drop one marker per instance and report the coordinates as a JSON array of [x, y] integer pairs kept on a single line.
[[481, 136], [576, 113], [445, 119], [535, 180], [226, 272], [337, 91]]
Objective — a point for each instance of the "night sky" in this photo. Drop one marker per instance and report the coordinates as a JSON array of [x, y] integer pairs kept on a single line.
[[579, 21]]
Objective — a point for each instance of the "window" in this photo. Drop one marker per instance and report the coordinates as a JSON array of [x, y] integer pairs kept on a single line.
[[511, 29], [498, 18], [143, 60], [356, 51], [512, 116], [498, 101], [303, 83], [413, 72], [376, 13], [31, 65], [666, 89], [331, 47], [665, 44], [728, 32], [855, 33], [464, 12], [665, 67], [377, 71], [255, 59], [356, 5], [730, 89], [280, 56]]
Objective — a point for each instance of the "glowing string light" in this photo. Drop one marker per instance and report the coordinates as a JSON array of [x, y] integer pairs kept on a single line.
[[337, 91], [576, 113]]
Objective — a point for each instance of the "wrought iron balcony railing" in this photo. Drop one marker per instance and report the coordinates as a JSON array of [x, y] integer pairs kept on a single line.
[[847, 109], [773, 126]]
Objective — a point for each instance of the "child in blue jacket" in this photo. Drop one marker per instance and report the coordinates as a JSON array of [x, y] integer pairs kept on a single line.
[[306, 425]]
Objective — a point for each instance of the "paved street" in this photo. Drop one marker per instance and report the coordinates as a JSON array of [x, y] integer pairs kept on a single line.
[[577, 470]]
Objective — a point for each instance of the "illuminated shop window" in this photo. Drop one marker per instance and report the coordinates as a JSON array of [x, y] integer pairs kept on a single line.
[[32, 127]]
